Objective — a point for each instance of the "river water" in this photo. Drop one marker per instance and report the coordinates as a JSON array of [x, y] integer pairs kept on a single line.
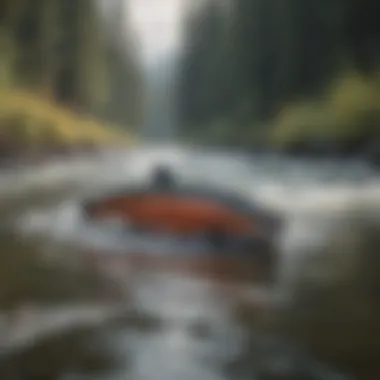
[[179, 326]]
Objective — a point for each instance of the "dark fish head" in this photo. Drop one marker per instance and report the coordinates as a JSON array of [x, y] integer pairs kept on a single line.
[[89, 209], [163, 178]]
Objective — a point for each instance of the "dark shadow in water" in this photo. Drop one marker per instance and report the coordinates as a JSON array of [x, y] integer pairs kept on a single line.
[[79, 351], [25, 277]]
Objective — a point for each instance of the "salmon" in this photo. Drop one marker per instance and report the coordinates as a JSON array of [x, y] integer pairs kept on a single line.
[[173, 213]]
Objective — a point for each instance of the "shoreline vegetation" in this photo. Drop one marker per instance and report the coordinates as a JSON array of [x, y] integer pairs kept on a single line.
[[301, 78], [340, 123], [33, 128], [70, 78]]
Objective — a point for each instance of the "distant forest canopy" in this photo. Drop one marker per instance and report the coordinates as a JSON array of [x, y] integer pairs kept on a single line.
[[281, 72], [64, 50]]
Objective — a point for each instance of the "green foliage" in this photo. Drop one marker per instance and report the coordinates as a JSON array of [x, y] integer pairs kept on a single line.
[[302, 68], [348, 111], [125, 104], [6, 61], [64, 51], [27, 120], [203, 62]]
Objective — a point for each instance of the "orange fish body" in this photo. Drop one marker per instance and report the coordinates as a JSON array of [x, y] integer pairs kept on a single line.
[[172, 213]]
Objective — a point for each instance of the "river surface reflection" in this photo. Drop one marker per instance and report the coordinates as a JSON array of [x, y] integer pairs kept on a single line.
[[163, 325]]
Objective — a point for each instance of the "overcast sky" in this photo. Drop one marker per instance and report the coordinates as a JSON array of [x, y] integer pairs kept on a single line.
[[157, 23]]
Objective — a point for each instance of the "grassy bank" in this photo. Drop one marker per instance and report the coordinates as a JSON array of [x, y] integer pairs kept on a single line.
[[30, 124], [346, 115], [343, 118]]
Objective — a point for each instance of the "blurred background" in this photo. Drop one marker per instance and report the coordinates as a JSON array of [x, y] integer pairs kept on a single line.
[[277, 100]]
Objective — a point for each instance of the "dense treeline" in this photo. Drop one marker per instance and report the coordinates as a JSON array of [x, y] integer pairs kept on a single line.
[[126, 99], [282, 71], [65, 52]]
